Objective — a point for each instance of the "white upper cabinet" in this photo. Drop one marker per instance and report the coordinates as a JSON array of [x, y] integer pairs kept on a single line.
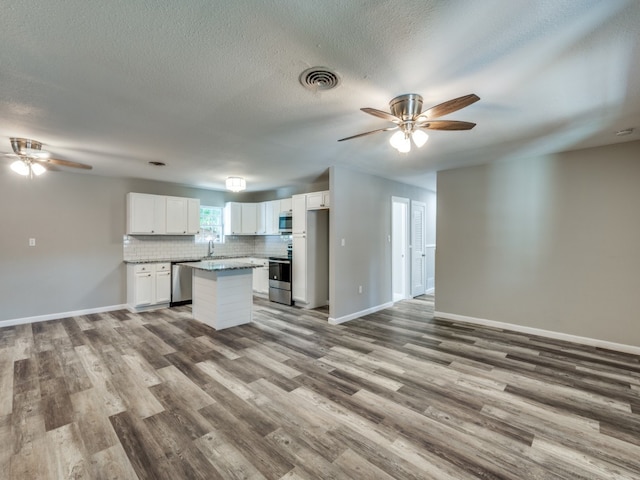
[[162, 215], [146, 214], [254, 218], [249, 218], [233, 218], [299, 220], [261, 218], [176, 216], [318, 200], [273, 209], [272, 217], [241, 218], [286, 205], [193, 216]]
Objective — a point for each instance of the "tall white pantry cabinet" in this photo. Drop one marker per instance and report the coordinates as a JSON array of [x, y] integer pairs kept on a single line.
[[310, 244]]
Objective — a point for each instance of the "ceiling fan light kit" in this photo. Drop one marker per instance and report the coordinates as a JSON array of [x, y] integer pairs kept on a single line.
[[411, 121], [26, 168], [31, 158]]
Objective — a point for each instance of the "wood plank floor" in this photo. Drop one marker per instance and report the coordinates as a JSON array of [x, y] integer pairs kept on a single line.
[[397, 394]]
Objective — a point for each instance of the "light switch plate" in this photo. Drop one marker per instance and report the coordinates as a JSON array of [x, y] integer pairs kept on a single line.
[[32, 242]]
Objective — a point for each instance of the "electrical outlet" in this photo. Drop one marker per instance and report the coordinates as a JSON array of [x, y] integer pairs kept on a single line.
[[359, 288], [32, 242], [342, 242]]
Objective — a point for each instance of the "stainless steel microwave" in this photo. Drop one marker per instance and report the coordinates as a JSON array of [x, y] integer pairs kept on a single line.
[[285, 222]]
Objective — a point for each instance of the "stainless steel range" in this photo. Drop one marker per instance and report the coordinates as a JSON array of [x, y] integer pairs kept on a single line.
[[280, 279]]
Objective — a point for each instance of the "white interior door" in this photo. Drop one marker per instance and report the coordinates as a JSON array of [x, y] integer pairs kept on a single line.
[[418, 253], [400, 248]]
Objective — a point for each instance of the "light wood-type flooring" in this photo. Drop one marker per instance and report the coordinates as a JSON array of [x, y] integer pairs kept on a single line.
[[397, 394]]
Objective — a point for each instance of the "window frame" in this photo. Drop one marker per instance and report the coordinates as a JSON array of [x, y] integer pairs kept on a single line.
[[208, 229]]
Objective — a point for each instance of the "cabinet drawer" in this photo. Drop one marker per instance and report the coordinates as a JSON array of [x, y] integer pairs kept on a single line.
[[163, 267], [144, 267]]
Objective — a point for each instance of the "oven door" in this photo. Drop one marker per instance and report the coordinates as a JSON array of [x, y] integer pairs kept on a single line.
[[280, 274]]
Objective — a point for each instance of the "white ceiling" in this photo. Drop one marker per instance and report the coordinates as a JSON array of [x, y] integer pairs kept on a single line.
[[211, 88]]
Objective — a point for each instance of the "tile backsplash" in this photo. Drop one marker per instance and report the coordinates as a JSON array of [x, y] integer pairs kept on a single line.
[[176, 247]]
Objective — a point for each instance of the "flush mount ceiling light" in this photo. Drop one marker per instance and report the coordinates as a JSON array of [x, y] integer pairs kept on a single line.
[[410, 120], [31, 158], [236, 184]]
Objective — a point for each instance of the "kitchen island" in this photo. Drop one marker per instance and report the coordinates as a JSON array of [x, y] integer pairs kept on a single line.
[[222, 292]]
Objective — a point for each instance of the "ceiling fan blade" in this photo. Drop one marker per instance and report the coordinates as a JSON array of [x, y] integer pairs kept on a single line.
[[446, 125], [450, 106], [64, 163], [381, 114], [368, 133]]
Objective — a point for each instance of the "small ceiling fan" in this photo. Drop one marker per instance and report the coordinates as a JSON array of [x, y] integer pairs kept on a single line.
[[410, 120], [31, 159]]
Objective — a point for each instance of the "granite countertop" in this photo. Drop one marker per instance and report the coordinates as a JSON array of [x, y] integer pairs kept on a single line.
[[219, 265], [215, 257]]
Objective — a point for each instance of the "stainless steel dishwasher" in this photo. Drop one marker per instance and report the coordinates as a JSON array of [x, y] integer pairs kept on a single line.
[[180, 285]]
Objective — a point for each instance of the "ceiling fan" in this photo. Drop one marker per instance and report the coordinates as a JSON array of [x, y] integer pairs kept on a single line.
[[410, 120], [32, 159]]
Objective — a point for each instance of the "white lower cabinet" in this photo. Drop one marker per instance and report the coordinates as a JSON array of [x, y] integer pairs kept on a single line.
[[260, 275], [299, 270], [163, 287], [148, 285]]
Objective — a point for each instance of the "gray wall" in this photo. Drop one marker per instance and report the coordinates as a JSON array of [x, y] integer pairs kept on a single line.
[[78, 222], [361, 214], [550, 243]]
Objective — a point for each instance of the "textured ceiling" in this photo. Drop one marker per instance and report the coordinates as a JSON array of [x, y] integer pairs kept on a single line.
[[211, 88]]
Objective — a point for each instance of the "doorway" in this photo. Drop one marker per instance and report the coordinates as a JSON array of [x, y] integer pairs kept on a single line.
[[400, 258]]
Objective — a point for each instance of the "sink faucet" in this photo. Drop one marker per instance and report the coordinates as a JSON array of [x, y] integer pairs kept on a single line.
[[210, 251]]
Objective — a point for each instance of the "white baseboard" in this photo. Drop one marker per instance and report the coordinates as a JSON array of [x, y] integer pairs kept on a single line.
[[361, 313], [592, 342], [56, 316]]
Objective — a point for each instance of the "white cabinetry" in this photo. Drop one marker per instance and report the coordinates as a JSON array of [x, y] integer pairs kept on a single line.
[[261, 219], [193, 216], [241, 218], [253, 218], [148, 285], [318, 200], [273, 209], [299, 269], [146, 214], [183, 216], [310, 275], [161, 215], [286, 205], [299, 220], [163, 283], [233, 218], [249, 219], [272, 217], [260, 274]]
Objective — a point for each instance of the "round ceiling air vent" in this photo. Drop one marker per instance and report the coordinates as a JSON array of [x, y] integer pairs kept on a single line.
[[319, 78]]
